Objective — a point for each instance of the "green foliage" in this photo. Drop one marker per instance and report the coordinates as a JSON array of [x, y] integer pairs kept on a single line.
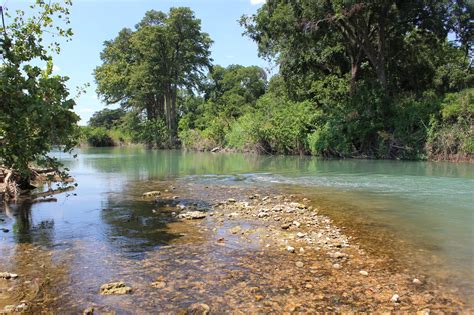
[[450, 135], [36, 110], [97, 137], [144, 69], [107, 118]]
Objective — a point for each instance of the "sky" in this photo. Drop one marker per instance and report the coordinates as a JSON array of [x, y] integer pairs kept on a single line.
[[95, 21]]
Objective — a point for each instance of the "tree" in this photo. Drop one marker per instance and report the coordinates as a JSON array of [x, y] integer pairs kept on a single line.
[[107, 118], [372, 31], [36, 111], [146, 68]]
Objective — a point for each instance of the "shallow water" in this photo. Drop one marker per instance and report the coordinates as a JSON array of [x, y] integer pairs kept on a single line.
[[420, 208]]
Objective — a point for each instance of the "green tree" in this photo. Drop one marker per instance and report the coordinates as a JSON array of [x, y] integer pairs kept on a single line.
[[146, 68], [107, 118], [36, 111]]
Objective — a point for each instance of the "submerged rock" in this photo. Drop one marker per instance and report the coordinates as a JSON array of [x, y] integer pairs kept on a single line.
[[192, 215], [364, 273], [158, 284], [198, 309], [150, 194], [235, 230], [115, 288]]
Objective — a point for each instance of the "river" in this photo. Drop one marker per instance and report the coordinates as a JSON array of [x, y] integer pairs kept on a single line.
[[420, 212]]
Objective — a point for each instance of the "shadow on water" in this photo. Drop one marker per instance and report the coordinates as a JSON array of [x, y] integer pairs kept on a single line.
[[24, 229], [136, 225]]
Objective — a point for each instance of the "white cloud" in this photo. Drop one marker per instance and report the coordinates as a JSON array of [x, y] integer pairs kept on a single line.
[[255, 2]]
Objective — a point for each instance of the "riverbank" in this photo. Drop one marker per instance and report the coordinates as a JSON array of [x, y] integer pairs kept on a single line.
[[248, 250]]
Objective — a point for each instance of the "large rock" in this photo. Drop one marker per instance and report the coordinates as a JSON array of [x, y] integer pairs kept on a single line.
[[192, 215], [151, 194], [115, 288], [7, 275]]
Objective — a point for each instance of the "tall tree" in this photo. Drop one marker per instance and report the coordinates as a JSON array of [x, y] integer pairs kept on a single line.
[[147, 67]]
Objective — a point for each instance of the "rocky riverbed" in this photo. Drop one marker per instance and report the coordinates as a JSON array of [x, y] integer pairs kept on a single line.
[[233, 250]]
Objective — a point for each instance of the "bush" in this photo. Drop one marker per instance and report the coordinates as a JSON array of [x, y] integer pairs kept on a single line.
[[451, 135], [97, 137]]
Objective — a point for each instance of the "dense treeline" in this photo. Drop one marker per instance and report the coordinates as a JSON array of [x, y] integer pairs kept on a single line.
[[376, 79]]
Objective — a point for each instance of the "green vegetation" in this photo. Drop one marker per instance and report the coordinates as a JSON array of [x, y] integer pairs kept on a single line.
[[36, 111], [356, 79]]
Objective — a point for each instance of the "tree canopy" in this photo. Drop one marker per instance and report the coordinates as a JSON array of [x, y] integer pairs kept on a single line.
[[145, 68]]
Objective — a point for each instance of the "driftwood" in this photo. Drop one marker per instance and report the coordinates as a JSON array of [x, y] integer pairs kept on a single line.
[[9, 189], [8, 186]]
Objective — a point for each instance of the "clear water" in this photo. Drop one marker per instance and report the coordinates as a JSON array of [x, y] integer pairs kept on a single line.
[[427, 206]]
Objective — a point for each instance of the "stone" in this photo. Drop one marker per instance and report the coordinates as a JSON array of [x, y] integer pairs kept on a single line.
[[115, 288], [336, 266], [299, 264], [296, 224], [151, 194], [285, 226], [291, 249], [7, 275], [395, 298], [175, 197], [262, 214], [198, 309], [215, 149], [9, 308], [158, 284], [235, 229], [301, 250], [337, 255], [300, 235], [231, 200], [417, 281], [88, 311], [364, 273], [192, 215]]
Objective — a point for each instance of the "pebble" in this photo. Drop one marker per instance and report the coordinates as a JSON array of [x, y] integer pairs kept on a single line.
[[301, 250], [336, 266], [395, 298], [285, 226], [291, 249], [235, 229], [199, 308], [417, 281], [299, 264], [231, 200], [297, 224], [88, 311], [300, 235], [5, 230], [364, 273]]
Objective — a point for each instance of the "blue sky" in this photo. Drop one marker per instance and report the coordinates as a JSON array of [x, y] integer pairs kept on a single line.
[[94, 21]]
